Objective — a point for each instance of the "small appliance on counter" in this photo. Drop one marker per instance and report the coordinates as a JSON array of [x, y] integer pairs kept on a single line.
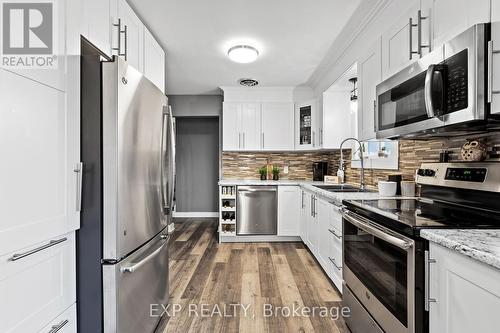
[[320, 170]]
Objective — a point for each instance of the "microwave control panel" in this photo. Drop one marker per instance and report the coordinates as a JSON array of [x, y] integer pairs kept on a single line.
[[456, 81]]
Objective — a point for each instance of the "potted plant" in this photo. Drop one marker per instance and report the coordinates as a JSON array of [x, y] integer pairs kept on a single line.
[[276, 173], [263, 173]]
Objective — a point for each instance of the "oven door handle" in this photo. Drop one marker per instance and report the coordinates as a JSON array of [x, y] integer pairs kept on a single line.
[[378, 232]]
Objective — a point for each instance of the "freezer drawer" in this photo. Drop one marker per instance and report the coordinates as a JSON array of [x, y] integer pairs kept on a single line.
[[133, 284], [257, 210]]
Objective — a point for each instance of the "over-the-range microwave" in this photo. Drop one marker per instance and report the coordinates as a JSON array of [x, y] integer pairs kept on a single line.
[[446, 92]]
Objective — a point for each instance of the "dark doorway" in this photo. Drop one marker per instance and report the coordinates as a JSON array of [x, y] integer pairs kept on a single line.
[[197, 164]]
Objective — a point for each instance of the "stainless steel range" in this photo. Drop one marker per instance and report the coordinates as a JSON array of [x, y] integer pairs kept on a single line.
[[386, 260]]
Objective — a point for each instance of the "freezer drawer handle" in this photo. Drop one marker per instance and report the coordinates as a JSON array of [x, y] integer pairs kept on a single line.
[[136, 266], [57, 328], [18, 256]]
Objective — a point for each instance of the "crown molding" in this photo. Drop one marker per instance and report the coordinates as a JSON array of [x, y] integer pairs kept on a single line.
[[349, 33]]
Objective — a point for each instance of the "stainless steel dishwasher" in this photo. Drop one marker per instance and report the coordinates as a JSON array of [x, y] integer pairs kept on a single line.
[[257, 210]]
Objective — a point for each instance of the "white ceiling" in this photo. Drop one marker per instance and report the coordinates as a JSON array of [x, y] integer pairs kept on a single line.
[[293, 37]]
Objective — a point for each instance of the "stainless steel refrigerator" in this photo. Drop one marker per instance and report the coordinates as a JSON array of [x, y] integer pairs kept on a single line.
[[128, 153]]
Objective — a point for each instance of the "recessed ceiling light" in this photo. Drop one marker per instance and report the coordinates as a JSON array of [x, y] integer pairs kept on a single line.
[[243, 54]]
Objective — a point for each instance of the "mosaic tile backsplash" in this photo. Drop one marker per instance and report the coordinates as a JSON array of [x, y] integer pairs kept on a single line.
[[244, 165]]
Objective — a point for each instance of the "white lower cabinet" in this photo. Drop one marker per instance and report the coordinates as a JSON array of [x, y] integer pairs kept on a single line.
[[37, 284], [465, 293], [305, 198], [289, 203], [322, 210], [321, 231], [65, 323]]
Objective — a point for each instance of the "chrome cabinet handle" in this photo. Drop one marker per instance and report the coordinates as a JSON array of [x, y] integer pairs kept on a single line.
[[239, 140], [379, 232], [313, 138], [320, 136], [302, 200], [78, 170], [419, 27], [120, 32], [18, 256], [119, 28], [58, 327], [136, 266], [126, 42], [375, 125], [334, 263], [427, 262], [411, 25], [312, 198], [335, 234]]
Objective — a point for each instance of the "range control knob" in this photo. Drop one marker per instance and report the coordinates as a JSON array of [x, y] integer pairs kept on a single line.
[[426, 172], [429, 173]]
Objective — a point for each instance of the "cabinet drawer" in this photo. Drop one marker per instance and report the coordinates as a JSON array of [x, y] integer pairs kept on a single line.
[[336, 218], [64, 323], [37, 284]]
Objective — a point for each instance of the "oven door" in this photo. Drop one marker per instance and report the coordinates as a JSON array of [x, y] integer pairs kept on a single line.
[[379, 269]]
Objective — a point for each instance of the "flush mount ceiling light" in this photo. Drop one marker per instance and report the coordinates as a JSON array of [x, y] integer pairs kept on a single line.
[[243, 54]]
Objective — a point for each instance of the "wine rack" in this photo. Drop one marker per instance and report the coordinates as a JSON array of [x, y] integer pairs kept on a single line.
[[227, 210]]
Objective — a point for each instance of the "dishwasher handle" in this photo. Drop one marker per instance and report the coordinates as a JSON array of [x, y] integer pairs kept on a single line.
[[257, 190]]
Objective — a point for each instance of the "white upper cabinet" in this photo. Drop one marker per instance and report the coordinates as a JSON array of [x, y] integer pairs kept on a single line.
[[154, 60], [451, 17], [131, 36], [277, 126], [241, 126], [370, 74], [97, 24], [339, 117], [466, 293], [400, 43], [306, 125], [250, 126], [231, 137], [66, 34], [40, 147], [289, 210]]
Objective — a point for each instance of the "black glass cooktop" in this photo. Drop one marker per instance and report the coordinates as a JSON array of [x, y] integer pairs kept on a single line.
[[410, 215]]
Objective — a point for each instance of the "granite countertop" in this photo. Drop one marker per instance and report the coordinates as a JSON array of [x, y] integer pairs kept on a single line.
[[482, 245], [308, 185]]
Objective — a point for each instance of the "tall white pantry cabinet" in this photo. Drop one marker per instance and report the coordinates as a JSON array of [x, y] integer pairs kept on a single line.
[[40, 176]]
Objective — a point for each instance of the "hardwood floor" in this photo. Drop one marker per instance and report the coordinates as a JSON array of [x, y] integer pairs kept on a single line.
[[236, 287]]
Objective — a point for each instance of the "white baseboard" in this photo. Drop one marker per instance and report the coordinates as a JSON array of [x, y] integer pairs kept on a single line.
[[195, 214]]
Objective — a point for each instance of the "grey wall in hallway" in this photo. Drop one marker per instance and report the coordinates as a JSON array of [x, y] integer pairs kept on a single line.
[[196, 105], [197, 164]]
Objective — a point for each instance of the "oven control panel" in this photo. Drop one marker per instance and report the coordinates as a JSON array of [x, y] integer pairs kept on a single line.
[[477, 175]]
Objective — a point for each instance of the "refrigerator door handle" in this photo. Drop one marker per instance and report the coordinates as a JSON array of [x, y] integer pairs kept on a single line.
[[172, 160], [164, 195], [135, 266]]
